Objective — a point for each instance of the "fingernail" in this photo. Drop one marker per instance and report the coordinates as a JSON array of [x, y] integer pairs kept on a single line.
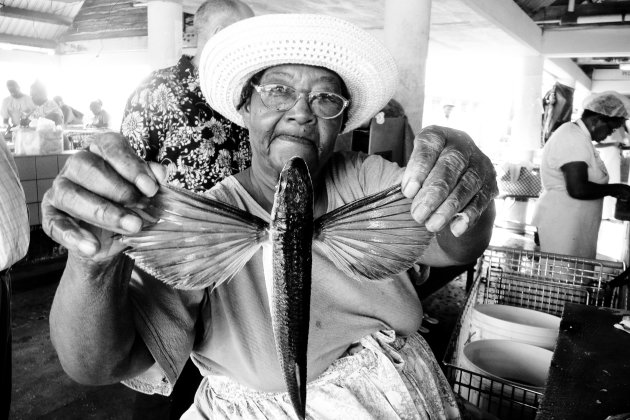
[[147, 185], [459, 225], [411, 189], [131, 223], [435, 223], [420, 213], [87, 247]]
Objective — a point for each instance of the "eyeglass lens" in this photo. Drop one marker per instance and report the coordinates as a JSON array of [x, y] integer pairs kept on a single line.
[[283, 98]]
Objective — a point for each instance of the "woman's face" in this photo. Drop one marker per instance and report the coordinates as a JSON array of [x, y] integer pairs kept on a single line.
[[277, 136], [604, 127]]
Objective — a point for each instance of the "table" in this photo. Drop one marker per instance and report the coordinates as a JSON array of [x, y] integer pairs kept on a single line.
[[589, 376]]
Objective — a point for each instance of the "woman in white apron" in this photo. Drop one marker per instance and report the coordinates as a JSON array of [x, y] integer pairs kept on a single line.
[[575, 179]]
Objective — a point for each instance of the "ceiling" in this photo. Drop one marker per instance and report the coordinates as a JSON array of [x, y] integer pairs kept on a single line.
[[52, 23]]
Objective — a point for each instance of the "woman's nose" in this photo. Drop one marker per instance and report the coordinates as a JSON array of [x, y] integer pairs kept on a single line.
[[301, 112]]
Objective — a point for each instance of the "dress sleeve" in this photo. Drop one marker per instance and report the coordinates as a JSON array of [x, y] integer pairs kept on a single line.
[[165, 319], [14, 226], [138, 125], [569, 147]]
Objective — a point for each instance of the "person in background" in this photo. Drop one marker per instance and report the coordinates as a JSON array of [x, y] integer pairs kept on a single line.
[[167, 120], [70, 115], [100, 117], [14, 240], [44, 107], [575, 180], [16, 106]]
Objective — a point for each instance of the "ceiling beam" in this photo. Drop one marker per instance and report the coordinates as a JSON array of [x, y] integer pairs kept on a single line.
[[566, 69], [26, 14], [612, 41], [31, 42], [511, 19], [598, 9]]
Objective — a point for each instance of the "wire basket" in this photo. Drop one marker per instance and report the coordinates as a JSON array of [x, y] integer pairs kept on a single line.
[[528, 279]]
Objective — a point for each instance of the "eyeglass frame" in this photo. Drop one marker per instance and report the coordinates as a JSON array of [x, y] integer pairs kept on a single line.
[[300, 95]]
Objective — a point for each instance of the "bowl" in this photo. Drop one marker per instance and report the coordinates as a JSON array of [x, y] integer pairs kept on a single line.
[[507, 377], [490, 321], [519, 364]]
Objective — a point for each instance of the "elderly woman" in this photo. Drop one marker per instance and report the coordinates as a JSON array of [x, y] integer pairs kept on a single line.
[[295, 82], [575, 179]]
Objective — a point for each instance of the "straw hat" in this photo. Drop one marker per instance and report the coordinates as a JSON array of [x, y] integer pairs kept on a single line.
[[235, 54]]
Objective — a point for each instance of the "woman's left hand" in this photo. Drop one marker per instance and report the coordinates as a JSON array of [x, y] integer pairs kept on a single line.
[[450, 180]]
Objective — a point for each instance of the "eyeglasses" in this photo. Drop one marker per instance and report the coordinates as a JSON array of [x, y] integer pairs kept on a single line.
[[326, 105]]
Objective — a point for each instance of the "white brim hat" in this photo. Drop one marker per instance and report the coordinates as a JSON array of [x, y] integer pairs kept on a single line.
[[232, 56]]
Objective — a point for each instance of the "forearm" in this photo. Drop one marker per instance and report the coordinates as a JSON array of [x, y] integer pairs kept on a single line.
[[447, 250], [91, 323], [592, 191]]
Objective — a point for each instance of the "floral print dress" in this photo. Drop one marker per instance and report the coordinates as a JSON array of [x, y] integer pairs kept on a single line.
[[168, 120]]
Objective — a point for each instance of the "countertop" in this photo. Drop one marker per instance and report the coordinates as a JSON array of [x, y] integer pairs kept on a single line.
[[589, 376]]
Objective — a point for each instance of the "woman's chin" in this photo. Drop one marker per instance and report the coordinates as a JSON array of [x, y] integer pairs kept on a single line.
[[282, 155]]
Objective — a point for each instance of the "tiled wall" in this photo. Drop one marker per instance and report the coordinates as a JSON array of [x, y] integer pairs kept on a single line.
[[36, 175]]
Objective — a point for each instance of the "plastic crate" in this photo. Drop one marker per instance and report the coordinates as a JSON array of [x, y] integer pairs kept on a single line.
[[533, 280]]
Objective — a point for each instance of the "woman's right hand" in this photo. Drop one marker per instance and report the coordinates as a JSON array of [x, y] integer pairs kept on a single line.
[[623, 192], [94, 196]]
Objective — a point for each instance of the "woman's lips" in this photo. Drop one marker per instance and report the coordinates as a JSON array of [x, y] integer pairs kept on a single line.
[[295, 139]]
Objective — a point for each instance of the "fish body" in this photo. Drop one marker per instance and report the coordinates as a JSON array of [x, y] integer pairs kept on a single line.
[[291, 236]]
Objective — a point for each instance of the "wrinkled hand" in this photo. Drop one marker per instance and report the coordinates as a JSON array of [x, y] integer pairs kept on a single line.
[[95, 195], [450, 180]]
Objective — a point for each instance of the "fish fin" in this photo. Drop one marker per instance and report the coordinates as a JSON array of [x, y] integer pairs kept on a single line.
[[373, 237], [196, 242]]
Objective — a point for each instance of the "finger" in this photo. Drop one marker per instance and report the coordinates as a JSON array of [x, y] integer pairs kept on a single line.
[[79, 203], [91, 172], [471, 213], [160, 172], [448, 170], [427, 146], [66, 231], [117, 152], [467, 187]]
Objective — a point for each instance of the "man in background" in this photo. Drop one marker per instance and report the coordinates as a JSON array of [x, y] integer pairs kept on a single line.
[[14, 239], [168, 120], [44, 107], [70, 115], [15, 106]]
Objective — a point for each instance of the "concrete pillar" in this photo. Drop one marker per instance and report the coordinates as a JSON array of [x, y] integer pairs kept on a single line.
[[407, 25], [165, 30], [527, 108]]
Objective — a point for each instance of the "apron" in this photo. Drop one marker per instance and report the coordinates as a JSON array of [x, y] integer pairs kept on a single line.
[[390, 378], [567, 225]]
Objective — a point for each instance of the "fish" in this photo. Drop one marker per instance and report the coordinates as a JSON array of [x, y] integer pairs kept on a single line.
[[199, 242], [291, 238]]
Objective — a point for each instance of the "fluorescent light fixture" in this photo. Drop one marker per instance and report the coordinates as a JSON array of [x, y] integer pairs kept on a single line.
[[599, 19], [624, 66], [15, 47]]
